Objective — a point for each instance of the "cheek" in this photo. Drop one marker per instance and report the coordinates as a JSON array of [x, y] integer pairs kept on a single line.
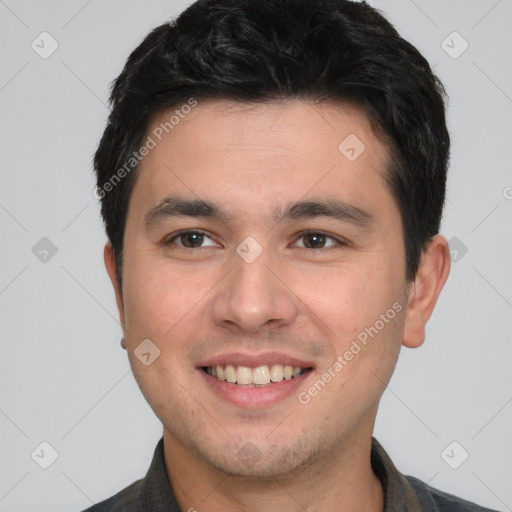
[[159, 298], [161, 305], [348, 298], [363, 309]]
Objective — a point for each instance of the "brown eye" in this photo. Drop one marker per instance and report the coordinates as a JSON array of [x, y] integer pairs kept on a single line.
[[189, 240], [314, 240]]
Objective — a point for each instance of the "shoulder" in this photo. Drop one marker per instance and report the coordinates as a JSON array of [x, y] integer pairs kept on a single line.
[[126, 500], [443, 501], [153, 492]]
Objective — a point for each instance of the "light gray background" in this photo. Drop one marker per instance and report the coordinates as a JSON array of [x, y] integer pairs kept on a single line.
[[63, 376]]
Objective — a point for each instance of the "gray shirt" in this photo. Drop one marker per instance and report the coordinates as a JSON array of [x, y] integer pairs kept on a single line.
[[402, 493]]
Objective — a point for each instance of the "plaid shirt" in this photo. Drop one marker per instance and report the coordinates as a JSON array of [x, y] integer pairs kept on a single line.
[[402, 493]]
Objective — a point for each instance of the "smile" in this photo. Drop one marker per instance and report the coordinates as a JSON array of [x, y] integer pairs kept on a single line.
[[260, 376]]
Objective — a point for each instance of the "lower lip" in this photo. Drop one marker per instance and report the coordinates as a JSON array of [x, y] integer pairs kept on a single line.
[[255, 397]]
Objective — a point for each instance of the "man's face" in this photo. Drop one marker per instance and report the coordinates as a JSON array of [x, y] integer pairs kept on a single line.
[[252, 290]]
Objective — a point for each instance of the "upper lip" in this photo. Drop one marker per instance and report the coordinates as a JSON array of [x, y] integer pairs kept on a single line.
[[254, 360]]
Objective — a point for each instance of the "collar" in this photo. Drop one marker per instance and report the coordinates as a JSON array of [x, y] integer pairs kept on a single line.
[[399, 493]]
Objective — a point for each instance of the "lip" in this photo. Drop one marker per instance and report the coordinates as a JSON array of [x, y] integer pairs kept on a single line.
[[247, 397], [255, 360]]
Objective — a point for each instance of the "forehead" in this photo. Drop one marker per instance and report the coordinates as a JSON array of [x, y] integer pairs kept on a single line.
[[279, 124], [252, 154]]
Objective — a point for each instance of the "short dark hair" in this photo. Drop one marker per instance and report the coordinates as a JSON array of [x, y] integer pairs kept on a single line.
[[263, 50]]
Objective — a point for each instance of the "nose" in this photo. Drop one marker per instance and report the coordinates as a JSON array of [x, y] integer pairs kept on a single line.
[[254, 296]]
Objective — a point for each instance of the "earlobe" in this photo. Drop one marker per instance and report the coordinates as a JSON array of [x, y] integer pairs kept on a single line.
[[110, 265], [432, 274]]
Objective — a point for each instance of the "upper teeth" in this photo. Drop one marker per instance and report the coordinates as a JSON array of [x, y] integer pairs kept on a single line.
[[259, 376]]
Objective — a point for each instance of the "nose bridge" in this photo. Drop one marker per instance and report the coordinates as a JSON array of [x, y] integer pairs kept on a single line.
[[252, 295]]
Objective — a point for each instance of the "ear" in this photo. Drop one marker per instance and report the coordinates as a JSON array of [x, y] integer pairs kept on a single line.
[[424, 291], [110, 264]]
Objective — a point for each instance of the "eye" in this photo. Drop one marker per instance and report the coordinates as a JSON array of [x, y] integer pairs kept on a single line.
[[189, 239], [317, 240], [193, 239]]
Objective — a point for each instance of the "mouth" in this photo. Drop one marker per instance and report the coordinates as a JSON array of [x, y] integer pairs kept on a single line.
[[254, 381], [260, 376]]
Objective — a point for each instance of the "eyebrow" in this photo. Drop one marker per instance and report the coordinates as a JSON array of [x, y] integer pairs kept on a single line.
[[175, 206]]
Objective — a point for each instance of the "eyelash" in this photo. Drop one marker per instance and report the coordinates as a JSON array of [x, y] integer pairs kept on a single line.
[[339, 243]]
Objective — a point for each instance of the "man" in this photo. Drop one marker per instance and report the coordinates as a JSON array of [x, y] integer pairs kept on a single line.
[[272, 179]]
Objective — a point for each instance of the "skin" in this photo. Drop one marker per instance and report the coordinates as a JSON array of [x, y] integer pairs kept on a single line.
[[193, 303]]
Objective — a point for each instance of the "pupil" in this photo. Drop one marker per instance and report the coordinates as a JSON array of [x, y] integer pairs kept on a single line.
[[316, 237]]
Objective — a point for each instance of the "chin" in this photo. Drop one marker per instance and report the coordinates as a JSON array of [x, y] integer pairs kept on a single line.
[[251, 460]]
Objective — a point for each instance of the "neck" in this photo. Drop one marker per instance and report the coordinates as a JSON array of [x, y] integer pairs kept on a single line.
[[343, 482]]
